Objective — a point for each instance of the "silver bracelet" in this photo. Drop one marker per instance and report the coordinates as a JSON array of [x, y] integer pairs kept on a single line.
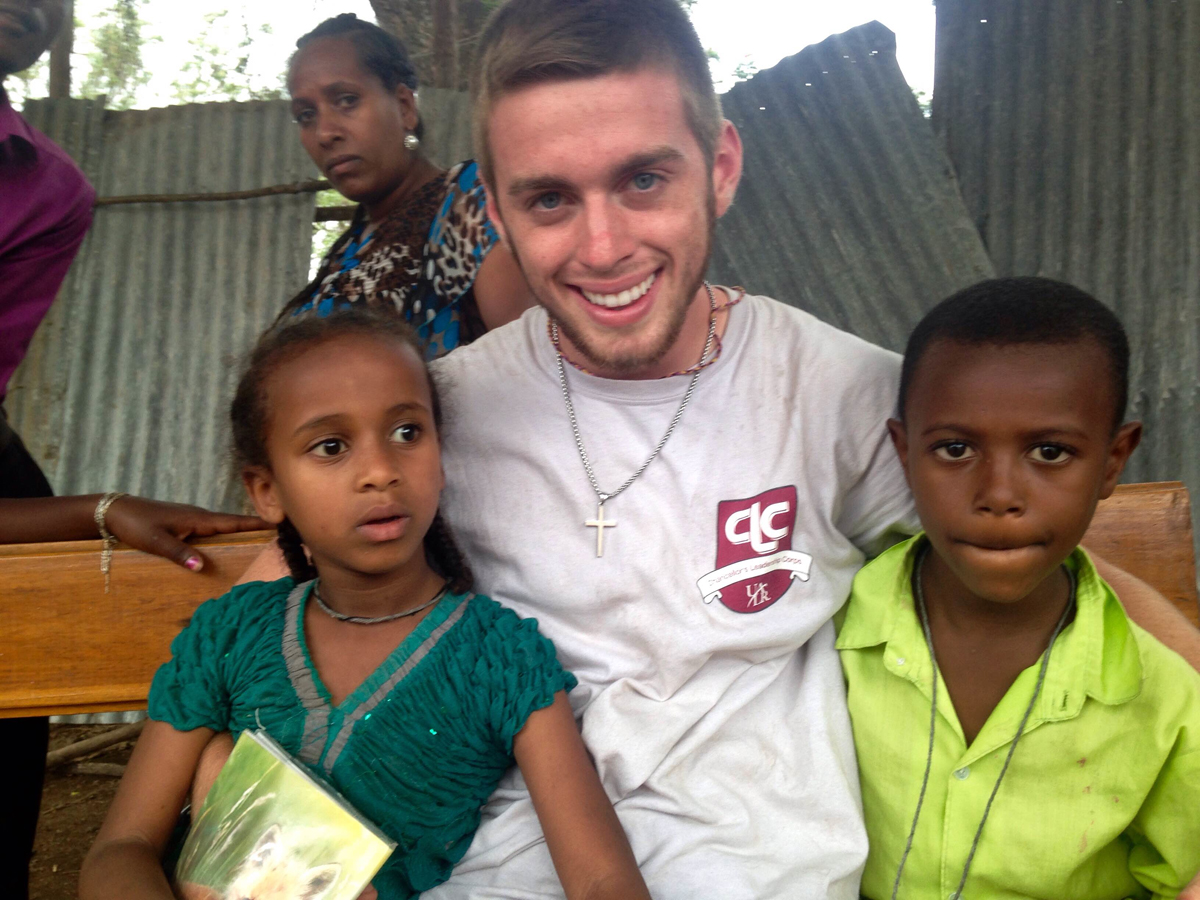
[[106, 552]]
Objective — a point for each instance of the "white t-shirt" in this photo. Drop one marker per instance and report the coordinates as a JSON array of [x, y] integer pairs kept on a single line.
[[710, 692]]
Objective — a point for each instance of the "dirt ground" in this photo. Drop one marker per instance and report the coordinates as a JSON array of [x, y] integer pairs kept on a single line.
[[73, 806]]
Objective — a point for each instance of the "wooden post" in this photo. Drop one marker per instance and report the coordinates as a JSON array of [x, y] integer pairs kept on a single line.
[[444, 46], [60, 55]]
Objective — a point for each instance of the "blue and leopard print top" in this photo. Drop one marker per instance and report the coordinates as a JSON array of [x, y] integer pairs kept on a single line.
[[421, 261]]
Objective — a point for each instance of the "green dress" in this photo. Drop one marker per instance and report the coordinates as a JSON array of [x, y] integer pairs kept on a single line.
[[417, 748]]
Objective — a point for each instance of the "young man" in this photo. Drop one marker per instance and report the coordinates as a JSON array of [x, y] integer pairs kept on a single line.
[[45, 210], [1063, 735]]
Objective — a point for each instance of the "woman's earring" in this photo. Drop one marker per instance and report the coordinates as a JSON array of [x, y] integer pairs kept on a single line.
[[411, 142]]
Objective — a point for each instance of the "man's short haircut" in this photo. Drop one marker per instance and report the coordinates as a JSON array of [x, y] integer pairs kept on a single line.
[[1005, 312], [528, 42]]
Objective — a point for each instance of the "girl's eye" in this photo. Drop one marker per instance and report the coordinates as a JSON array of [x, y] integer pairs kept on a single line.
[[406, 434], [549, 201], [1050, 453], [955, 451], [329, 447], [643, 181]]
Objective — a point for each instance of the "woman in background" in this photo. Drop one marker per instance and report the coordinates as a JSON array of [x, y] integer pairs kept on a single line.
[[420, 242]]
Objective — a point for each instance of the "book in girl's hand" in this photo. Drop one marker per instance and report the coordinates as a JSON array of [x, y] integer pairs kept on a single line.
[[269, 830]]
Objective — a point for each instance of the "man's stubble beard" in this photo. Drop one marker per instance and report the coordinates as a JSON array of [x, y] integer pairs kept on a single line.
[[629, 364]]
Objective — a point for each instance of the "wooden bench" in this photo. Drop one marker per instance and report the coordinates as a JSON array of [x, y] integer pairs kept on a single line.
[[67, 647]]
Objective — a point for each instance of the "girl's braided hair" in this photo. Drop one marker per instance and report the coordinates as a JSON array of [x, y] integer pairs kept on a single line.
[[250, 417]]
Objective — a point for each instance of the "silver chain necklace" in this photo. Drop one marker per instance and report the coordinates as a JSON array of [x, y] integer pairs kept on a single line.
[[1041, 679], [374, 620], [600, 523]]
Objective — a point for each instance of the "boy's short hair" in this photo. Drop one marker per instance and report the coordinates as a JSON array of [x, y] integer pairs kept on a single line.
[[531, 41], [1008, 311]]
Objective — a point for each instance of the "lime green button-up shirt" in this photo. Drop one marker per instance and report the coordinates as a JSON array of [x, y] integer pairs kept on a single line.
[[1102, 798]]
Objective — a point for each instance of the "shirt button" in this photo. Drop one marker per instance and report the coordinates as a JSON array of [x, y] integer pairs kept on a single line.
[[962, 775], [900, 660]]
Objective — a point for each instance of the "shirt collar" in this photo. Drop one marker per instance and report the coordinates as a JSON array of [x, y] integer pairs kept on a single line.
[[12, 123], [1097, 651]]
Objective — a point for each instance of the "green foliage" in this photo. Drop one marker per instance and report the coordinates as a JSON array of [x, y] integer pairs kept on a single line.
[[22, 85], [746, 69], [325, 233], [925, 102], [116, 68], [219, 69]]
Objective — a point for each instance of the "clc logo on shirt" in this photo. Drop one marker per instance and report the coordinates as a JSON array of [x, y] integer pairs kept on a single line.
[[755, 560]]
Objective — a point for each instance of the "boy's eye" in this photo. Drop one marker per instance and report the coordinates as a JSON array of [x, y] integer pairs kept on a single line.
[[406, 434], [1050, 453], [643, 181], [347, 100], [548, 201], [305, 116], [329, 447], [955, 451]]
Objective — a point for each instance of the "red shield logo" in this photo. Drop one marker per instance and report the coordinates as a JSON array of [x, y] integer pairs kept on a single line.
[[755, 560]]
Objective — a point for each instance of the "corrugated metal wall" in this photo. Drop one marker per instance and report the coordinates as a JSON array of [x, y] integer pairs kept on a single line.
[[128, 381], [848, 207], [1075, 129]]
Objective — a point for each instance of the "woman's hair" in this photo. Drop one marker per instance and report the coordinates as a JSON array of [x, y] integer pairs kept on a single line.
[[250, 416], [379, 52]]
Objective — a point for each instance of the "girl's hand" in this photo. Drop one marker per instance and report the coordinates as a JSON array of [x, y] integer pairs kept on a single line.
[[161, 528], [587, 844]]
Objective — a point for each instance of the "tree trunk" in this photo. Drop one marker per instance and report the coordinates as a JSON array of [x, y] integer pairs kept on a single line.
[[441, 36], [60, 56], [444, 51]]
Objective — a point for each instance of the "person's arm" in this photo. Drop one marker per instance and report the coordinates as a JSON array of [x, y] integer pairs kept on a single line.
[[148, 525], [1192, 891], [125, 862], [501, 292], [1152, 611], [590, 851]]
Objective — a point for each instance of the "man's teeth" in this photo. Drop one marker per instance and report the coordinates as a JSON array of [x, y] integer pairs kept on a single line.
[[616, 301]]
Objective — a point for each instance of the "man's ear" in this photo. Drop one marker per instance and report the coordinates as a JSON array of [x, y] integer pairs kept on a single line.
[[260, 486], [493, 212], [727, 167], [900, 442], [1127, 438]]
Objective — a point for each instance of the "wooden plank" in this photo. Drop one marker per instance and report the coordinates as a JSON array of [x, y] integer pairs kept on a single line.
[[68, 647], [1146, 529]]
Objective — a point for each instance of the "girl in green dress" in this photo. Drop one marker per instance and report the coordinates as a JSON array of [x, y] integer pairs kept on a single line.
[[373, 664]]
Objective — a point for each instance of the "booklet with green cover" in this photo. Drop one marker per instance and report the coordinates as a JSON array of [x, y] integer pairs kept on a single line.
[[269, 830]]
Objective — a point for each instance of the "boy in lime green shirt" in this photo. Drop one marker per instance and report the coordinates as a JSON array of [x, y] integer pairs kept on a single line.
[[1053, 750]]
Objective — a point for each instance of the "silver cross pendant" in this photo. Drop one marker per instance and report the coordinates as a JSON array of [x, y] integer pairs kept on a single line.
[[600, 523]]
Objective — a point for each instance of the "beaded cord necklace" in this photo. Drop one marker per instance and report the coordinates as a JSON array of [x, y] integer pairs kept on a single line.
[[918, 590]]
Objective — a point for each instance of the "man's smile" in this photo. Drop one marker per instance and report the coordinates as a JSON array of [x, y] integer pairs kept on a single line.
[[618, 299]]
